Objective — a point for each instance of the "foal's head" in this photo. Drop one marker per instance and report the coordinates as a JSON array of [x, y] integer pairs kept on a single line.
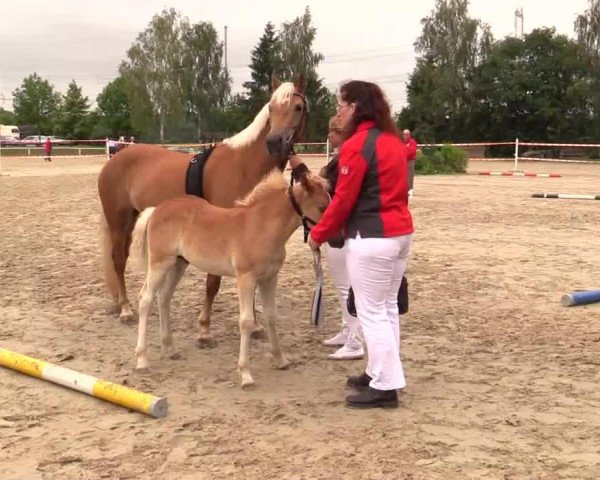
[[312, 196], [287, 115]]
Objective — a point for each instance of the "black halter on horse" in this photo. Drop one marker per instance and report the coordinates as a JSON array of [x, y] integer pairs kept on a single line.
[[305, 220]]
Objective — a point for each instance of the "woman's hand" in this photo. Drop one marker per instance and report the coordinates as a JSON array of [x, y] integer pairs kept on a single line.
[[312, 244], [295, 161]]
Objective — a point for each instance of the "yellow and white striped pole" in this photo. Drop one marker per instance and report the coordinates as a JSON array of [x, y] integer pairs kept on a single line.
[[111, 392]]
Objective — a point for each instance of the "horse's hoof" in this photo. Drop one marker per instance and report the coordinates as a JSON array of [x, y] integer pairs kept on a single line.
[[175, 356], [260, 334], [206, 343], [142, 370], [127, 319]]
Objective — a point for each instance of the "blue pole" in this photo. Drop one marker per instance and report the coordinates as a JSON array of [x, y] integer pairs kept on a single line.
[[580, 298]]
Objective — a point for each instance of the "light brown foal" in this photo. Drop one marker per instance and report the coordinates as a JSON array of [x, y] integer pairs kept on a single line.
[[246, 242]]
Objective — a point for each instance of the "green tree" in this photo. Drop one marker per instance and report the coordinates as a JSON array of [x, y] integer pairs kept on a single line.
[[36, 103], [538, 88], [233, 118], [152, 73], [205, 83], [451, 45], [73, 117], [587, 28], [264, 61], [587, 31], [114, 109], [7, 117]]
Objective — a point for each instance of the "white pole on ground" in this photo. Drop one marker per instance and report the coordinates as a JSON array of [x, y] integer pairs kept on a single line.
[[327, 150], [107, 150], [516, 154]]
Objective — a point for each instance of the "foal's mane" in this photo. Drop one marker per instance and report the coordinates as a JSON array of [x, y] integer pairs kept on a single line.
[[281, 96], [273, 182]]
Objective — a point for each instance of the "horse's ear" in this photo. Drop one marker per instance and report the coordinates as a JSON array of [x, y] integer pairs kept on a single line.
[[275, 82], [300, 84]]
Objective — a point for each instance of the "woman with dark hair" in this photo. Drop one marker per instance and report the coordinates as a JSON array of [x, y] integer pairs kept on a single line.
[[370, 206]]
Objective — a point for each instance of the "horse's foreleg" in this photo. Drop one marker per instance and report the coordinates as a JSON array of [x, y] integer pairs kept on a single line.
[[267, 291], [121, 236], [246, 288], [205, 340], [258, 331]]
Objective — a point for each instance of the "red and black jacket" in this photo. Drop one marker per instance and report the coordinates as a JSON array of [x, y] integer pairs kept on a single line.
[[371, 197]]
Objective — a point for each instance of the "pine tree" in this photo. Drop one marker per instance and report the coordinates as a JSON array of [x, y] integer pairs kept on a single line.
[[73, 119], [264, 61]]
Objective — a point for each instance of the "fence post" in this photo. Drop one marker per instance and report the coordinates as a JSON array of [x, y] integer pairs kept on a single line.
[[516, 154], [107, 150], [327, 150]]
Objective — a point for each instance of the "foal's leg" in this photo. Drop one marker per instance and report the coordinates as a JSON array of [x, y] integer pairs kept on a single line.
[[165, 295], [205, 340], [268, 288], [246, 288], [120, 231], [154, 280]]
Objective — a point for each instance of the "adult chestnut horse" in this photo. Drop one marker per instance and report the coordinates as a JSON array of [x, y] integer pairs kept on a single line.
[[142, 176]]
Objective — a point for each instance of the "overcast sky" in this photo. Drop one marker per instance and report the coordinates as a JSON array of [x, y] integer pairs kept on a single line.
[[86, 40]]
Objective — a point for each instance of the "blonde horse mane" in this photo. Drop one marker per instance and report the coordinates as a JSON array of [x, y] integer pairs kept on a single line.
[[281, 96]]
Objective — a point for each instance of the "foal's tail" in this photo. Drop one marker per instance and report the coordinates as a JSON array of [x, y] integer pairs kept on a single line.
[[138, 252], [108, 267]]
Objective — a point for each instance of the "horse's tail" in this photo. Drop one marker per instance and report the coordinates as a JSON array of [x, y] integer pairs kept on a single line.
[[108, 267], [138, 252]]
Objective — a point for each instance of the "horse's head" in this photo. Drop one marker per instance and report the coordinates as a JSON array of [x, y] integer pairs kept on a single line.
[[310, 197], [288, 110]]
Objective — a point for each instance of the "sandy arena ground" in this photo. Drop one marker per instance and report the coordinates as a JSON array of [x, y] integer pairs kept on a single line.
[[502, 381]]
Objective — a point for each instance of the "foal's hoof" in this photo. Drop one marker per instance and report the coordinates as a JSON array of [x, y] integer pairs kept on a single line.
[[259, 333], [171, 355], [283, 364], [247, 383], [127, 319], [206, 343]]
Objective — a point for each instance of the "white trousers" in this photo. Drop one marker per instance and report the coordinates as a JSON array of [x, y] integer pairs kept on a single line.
[[336, 260], [376, 267]]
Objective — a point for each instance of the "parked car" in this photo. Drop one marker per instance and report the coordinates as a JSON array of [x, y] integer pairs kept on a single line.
[[9, 141], [33, 140], [37, 140]]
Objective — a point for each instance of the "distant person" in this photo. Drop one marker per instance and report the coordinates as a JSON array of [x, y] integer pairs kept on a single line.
[[112, 147], [122, 139], [411, 147], [132, 139], [48, 149]]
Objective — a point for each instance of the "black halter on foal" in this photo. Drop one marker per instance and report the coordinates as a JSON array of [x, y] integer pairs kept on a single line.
[[305, 220]]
